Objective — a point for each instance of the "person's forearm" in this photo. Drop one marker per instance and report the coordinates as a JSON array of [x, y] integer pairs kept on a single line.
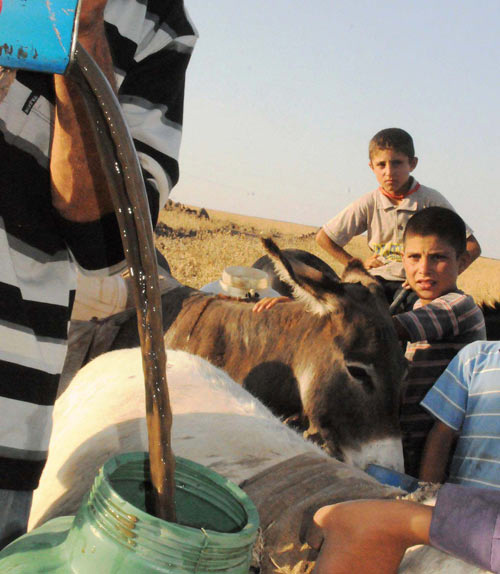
[[332, 248], [368, 535], [79, 189], [436, 453]]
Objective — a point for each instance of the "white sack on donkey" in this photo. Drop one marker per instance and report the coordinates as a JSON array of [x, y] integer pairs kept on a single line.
[[218, 424]]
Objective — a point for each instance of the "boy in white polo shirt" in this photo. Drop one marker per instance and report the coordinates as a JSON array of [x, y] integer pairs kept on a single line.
[[384, 212]]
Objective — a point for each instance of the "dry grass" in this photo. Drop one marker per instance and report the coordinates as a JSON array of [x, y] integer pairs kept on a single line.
[[199, 249]]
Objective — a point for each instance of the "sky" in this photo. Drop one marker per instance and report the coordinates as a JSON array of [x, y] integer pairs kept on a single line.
[[283, 96]]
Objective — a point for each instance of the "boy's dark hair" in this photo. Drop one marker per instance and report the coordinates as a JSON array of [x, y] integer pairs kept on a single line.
[[392, 138], [441, 222]]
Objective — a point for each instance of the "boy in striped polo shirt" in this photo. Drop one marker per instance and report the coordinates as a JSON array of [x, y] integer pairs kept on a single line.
[[465, 402], [442, 321]]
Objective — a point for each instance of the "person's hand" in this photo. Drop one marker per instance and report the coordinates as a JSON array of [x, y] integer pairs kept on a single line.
[[267, 303], [91, 15], [7, 76], [406, 285], [372, 262]]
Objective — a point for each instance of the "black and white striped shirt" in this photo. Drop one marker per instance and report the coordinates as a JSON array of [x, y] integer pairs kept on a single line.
[[151, 42]]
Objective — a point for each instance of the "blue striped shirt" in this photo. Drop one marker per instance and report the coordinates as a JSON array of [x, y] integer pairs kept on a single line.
[[467, 399]]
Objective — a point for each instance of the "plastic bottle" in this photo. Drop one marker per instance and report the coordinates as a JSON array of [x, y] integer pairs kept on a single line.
[[241, 281], [112, 532]]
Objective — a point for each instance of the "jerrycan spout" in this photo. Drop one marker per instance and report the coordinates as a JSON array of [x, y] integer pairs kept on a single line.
[[38, 35]]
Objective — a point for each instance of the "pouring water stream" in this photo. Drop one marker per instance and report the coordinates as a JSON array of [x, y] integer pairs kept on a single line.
[[124, 177]]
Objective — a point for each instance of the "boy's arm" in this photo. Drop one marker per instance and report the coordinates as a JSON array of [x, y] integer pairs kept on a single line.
[[267, 303], [350, 222], [332, 248], [436, 452], [401, 332], [446, 316]]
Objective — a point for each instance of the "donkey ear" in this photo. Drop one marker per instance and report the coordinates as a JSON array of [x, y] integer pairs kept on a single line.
[[316, 290], [355, 272]]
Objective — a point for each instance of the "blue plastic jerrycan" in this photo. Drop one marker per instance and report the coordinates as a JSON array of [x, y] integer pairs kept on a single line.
[[38, 35]]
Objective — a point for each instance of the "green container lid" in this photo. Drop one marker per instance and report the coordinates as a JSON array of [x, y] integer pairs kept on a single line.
[[112, 532]]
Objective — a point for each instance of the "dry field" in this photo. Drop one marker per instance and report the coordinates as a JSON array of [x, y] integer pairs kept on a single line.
[[198, 249]]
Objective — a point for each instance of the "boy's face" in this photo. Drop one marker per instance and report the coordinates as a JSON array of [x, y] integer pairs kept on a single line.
[[392, 170], [432, 266]]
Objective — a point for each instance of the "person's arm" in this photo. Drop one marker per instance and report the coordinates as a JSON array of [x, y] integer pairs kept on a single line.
[[332, 248], [79, 191], [367, 535], [437, 452], [373, 261], [267, 303], [402, 333], [446, 316], [372, 535], [151, 95]]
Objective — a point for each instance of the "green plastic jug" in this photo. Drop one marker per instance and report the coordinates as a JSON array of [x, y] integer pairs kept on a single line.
[[112, 533]]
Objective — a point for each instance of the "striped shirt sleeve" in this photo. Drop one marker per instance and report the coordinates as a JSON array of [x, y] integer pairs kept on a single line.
[[150, 62], [447, 316], [351, 221], [447, 398]]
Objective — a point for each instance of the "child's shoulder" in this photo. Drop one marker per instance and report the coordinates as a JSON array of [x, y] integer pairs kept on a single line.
[[454, 296], [464, 311], [455, 304], [429, 196], [370, 197], [365, 203], [456, 299]]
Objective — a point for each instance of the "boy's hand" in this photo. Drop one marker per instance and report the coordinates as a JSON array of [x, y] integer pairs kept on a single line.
[[372, 262], [268, 303]]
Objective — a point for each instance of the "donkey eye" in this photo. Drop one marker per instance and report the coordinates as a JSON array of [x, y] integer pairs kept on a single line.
[[361, 374]]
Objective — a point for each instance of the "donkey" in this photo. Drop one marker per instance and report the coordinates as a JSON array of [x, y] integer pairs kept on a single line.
[[331, 359]]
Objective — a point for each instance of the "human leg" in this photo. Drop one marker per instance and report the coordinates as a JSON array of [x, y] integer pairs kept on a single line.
[[15, 508], [369, 536]]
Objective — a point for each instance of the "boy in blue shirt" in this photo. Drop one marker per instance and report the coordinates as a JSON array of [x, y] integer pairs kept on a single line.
[[465, 401]]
